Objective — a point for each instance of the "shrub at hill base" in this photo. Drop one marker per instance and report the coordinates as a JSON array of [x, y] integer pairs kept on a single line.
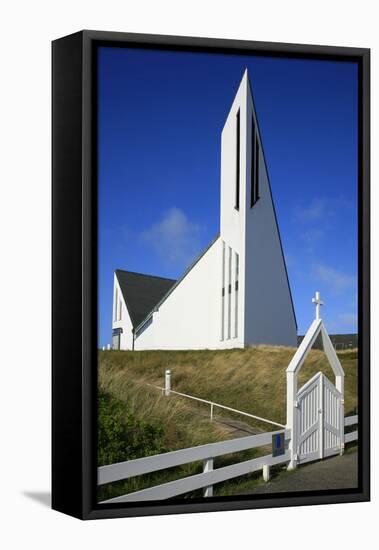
[[121, 436]]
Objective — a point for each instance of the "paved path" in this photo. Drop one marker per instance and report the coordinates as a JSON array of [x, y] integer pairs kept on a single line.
[[339, 472]]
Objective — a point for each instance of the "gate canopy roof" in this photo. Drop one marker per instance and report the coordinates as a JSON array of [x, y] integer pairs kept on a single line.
[[305, 347]]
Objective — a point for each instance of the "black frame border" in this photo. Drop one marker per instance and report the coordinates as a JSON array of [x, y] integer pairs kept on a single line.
[[74, 272]]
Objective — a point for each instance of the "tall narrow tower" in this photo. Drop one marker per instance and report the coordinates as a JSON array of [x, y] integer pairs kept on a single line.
[[256, 305]]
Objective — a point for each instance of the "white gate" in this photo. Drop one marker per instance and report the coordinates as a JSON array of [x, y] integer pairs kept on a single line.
[[315, 413], [320, 426]]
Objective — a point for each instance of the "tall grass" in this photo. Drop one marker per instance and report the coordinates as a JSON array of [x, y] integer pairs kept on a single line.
[[251, 379]]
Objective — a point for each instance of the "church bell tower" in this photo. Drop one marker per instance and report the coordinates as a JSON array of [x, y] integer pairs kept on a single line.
[[257, 305]]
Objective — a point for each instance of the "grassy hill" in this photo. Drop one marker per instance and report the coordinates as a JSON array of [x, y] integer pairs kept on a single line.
[[252, 380]]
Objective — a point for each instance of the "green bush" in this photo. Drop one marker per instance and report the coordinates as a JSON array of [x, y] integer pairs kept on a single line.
[[121, 436]]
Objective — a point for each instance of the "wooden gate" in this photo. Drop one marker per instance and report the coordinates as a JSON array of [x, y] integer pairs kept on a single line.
[[319, 420]]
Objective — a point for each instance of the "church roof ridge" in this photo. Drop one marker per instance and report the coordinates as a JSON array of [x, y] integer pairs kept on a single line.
[[144, 274]]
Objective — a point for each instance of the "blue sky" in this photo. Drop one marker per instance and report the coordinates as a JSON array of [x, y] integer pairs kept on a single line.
[[160, 116]]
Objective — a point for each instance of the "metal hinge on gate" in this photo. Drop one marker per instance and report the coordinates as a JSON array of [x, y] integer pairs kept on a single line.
[[296, 404]]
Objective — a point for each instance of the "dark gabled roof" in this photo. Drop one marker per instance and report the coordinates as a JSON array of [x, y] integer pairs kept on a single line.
[[142, 292]]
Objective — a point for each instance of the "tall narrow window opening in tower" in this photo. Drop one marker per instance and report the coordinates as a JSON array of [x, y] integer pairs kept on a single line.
[[236, 295], [237, 201], [256, 186], [253, 197], [223, 292], [229, 292]]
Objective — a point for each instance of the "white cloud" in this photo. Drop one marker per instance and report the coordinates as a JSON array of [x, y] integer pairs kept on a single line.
[[322, 209], [175, 239], [316, 210], [336, 280]]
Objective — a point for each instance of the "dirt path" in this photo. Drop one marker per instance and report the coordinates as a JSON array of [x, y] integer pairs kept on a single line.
[[339, 472], [235, 428]]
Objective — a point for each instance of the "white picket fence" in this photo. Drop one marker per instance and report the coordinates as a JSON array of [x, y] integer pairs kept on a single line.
[[351, 421], [206, 454], [206, 480]]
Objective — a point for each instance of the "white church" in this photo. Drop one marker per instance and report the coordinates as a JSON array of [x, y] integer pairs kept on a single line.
[[237, 292]]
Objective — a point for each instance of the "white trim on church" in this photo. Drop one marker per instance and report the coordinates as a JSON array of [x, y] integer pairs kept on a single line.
[[237, 293]]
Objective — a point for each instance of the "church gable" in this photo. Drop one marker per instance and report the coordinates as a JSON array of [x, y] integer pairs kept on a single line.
[[142, 292], [239, 283]]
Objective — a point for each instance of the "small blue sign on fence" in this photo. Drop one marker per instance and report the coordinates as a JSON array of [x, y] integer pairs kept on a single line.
[[278, 444]]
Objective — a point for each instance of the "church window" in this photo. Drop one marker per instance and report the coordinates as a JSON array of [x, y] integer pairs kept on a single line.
[[237, 202], [229, 292], [223, 291], [115, 304], [254, 175], [252, 171], [120, 311], [236, 296], [256, 186]]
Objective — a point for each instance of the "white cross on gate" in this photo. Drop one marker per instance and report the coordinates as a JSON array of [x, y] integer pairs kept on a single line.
[[317, 300]]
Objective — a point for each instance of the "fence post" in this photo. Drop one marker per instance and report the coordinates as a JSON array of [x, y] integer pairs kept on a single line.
[[292, 417], [208, 467], [211, 411], [266, 472], [167, 387]]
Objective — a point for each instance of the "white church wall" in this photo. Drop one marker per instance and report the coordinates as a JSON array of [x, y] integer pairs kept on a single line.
[[121, 318], [269, 315], [265, 313], [209, 308], [189, 318], [232, 226]]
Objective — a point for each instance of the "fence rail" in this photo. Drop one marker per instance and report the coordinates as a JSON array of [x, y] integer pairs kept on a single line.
[[207, 454], [199, 481], [351, 421], [209, 477], [167, 391]]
